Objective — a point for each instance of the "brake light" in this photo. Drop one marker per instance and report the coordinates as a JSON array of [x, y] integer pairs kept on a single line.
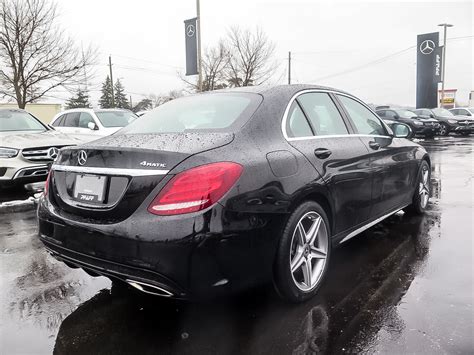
[[195, 189], [46, 184]]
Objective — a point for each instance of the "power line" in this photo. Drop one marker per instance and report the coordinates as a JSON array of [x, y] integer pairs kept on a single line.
[[148, 61]]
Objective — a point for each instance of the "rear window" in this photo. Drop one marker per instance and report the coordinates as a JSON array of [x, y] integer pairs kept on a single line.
[[207, 112], [115, 118]]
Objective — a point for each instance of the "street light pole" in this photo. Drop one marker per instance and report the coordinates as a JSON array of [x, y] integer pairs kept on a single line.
[[445, 25], [198, 15]]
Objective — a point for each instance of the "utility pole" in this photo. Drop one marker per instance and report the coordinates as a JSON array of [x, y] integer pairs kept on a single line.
[[445, 25], [289, 68], [84, 60], [198, 15], [111, 81], [131, 103]]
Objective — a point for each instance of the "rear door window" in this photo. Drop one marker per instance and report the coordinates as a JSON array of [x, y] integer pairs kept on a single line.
[[323, 114], [297, 125], [59, 121], [72, 119], [364, 120]]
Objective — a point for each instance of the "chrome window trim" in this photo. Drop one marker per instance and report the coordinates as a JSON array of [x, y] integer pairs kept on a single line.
[[109, 171], [294, 97]]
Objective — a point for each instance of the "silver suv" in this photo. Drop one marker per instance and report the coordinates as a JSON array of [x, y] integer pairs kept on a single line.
[[27, 147]]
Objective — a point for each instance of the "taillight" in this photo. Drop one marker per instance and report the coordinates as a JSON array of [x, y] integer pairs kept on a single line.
[[46, 184], [195, 189]]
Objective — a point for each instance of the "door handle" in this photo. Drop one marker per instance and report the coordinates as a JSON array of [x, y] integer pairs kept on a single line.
[[374, 145], [322, 153]]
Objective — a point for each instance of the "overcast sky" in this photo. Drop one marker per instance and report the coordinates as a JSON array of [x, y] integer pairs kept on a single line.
[[327, 38]]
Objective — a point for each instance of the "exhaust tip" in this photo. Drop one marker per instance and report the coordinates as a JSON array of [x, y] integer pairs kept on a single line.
[[150, 289]]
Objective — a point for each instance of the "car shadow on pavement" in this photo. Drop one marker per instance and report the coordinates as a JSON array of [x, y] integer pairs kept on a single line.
[[366, 281]]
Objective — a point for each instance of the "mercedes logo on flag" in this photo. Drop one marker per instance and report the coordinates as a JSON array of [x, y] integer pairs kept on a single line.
[[82, 157], [190, 30], [427, 47]]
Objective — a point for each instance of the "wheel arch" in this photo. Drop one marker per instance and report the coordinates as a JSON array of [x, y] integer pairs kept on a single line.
[[319, 197]]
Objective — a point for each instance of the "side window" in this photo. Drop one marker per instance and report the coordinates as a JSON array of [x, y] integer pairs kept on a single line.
[[296, 124], [84, 119], [461, 112], [391, 114], [72, 120], [364, 120], [323, 114], [381, 113], [59, 121]]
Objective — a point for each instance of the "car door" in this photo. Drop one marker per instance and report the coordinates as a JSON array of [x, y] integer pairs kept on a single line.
[[316, 128], [392, 160]]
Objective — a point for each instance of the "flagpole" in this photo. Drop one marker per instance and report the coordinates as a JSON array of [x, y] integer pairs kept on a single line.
[[198, 13]]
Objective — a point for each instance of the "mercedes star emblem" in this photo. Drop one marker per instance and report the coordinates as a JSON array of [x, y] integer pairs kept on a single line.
[[190, 30], [82, 157], [53, 153], [427, 46]]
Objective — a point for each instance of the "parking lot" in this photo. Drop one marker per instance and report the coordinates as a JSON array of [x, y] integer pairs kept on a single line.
[[404, 285]]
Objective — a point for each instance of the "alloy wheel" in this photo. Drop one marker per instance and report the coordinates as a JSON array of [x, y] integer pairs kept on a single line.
[[443, 130], [308, 253], [424, 188]]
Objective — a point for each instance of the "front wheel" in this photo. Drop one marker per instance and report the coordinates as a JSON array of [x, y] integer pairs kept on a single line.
[[422, 191], [303, 253], [444, 130]]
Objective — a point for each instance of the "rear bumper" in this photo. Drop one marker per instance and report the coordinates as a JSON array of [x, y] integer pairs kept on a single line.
[[189, 256]]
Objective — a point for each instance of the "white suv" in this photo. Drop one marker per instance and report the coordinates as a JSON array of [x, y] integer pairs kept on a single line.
[[88, 124], [27, 147]]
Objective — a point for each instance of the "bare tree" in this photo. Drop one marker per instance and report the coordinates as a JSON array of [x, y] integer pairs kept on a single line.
[[157, 100], [251, 57], [35, 55], [214, 63]]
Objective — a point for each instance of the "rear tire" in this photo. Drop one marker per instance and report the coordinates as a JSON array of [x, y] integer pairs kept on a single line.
[[303, 253], [422, 190]]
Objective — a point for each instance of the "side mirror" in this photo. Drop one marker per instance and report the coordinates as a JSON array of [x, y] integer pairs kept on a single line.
[[92, 126], [396, 117], [401, 130], [431, 115]]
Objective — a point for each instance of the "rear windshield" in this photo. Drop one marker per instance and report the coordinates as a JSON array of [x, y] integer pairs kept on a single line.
[[19, 121], [207, 112], [115, 118]]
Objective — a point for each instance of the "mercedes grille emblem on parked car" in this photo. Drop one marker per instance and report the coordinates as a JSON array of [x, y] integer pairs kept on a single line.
[[53, 153], [190, 30], [427, 47], [82, 157]]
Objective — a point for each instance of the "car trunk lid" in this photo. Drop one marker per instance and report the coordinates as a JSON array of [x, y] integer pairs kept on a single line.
[[108, 179]]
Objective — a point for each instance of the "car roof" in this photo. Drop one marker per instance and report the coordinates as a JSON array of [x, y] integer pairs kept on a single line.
[[274, 89]]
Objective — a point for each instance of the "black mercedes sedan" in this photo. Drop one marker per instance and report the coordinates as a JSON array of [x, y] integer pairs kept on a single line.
[[427, 127], [217, 192]]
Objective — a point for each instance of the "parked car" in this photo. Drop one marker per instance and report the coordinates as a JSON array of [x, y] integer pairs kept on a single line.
[[449, 123], [27, 147], [463, 111], [88, 124], [426, 127], [219, 191]]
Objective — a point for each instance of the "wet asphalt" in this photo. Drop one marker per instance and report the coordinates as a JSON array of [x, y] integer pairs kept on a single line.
[[403, 286]]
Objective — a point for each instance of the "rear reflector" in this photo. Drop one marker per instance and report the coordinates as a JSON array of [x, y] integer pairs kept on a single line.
[[195, 189], [46, 184]]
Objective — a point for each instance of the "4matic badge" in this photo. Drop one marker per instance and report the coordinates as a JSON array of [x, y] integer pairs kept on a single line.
[[152, 164]]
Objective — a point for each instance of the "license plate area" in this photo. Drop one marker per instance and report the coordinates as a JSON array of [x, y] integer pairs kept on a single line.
[[89, 188]]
